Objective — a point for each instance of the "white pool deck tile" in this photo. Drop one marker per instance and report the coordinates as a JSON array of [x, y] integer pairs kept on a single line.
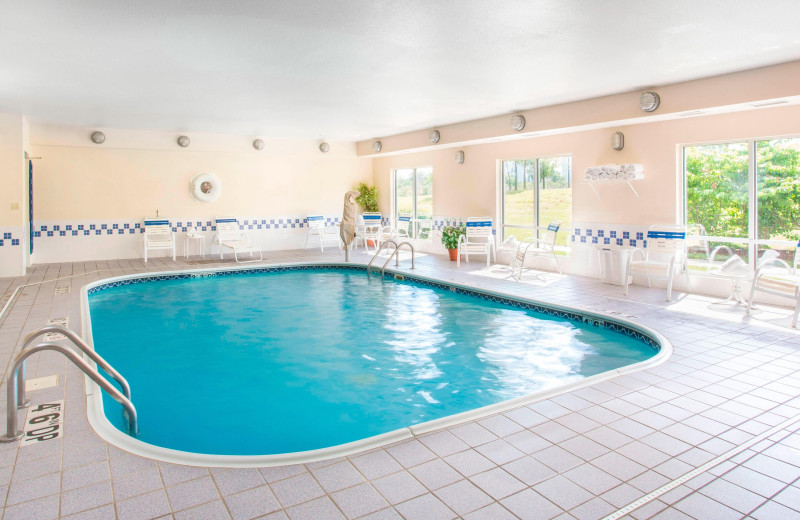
[[583, 454]]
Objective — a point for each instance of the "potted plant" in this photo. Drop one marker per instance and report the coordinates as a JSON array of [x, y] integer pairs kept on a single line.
[[368, 200], [450, 236]]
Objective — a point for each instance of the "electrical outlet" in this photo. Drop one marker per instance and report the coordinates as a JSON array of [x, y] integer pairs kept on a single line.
[[15, 206]]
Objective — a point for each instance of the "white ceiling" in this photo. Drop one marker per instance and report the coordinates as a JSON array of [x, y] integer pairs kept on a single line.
[[352, 70]]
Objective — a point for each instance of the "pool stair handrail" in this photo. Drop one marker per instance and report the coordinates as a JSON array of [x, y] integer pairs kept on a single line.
[[13, 434], [78, 342], [393, 255]]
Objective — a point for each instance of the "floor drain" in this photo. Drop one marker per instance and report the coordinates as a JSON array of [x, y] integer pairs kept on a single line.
[[62, 290], [54, 336]]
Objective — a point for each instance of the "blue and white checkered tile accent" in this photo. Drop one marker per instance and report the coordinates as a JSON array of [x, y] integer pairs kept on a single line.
[[182, 225], [609, 235], [9, 239]]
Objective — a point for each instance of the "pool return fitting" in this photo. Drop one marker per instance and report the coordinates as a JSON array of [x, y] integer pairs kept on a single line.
[[16, 380]]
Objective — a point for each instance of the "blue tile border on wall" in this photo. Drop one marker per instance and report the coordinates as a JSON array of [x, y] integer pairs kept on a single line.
[[7, 239]]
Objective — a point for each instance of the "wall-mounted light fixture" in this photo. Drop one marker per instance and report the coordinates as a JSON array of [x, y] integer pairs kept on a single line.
[[617, 141], [649, 101], [258, 144], [517, 122], [376, 146], [434, 136], [460, 157], [183, 141], [98, 137], [324, 147]]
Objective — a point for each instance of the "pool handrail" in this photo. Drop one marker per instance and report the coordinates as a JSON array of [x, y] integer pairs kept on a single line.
[[78, 342], [394, 254], [13, 434]]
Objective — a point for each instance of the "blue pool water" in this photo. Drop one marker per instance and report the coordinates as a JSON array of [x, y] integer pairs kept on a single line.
[[287, 361]]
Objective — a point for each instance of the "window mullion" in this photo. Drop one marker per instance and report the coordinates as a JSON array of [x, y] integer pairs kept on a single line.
[[752, 207]]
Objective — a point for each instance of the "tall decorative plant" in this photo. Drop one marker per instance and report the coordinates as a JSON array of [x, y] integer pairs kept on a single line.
[[367, 197]]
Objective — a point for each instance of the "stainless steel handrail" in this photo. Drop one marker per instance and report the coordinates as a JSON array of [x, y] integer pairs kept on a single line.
[[396, 255], [12, 433], [78, 342], [383, 245]]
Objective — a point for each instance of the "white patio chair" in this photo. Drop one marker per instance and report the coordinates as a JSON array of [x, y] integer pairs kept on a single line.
[[664, 255], [544, 244], [231, 236], [317, 228], [425, 229], [777, 277], [158, 235], [478, 240], [371, 230], [403, 226], [698, 243]]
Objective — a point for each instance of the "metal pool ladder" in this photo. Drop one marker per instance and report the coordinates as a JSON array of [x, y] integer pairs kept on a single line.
[[16, 380], [393, 255]]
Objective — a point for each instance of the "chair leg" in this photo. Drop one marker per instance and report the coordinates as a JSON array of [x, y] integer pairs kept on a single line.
[[145, 254], [750, 299], [555, 258], [308, 235], [669, 285]]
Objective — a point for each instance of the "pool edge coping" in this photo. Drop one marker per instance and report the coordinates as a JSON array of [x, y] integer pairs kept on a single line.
[[109, 433]]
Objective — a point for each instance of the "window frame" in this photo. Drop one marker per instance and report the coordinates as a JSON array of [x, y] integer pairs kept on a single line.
[[393, 216], [752, 241], [536, 197]]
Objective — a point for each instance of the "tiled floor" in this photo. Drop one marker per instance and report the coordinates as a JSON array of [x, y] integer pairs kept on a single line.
[[583, 454]]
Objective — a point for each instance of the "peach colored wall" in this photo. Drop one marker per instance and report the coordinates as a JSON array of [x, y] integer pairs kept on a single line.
[[470, 189], [13, 132], [776, 81], [133, 174]]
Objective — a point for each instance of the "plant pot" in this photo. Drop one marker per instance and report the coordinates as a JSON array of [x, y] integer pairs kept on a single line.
[[453, 254]]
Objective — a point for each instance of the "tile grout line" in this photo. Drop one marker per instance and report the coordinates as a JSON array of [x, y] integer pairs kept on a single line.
[[699, 470]]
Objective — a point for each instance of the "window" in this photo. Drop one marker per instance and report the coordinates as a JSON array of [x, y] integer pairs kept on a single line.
[[413, 195], [742, 198], [536, 192]]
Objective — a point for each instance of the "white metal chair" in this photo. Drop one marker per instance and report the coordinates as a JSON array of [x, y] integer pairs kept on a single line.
[[661, 259], [403, 226], [158, 235], [371, 230], [698, 243], [317, 228], [478, 239], [777, 277], [543, 244], [231, 236]]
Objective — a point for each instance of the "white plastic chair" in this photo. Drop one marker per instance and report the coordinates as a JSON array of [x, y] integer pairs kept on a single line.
[[478, 240], [663, 256], [544, 244], [697, 241], [777, 277], [425, 229], [317, 228], [231, 236], [158, 235], [371, 229]]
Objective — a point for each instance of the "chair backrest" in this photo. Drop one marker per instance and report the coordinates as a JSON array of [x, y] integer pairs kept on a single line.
[[479, 227], [665, 240], [157, 229], [316, 221], [228, 228], [372, 219], [551, 232]]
